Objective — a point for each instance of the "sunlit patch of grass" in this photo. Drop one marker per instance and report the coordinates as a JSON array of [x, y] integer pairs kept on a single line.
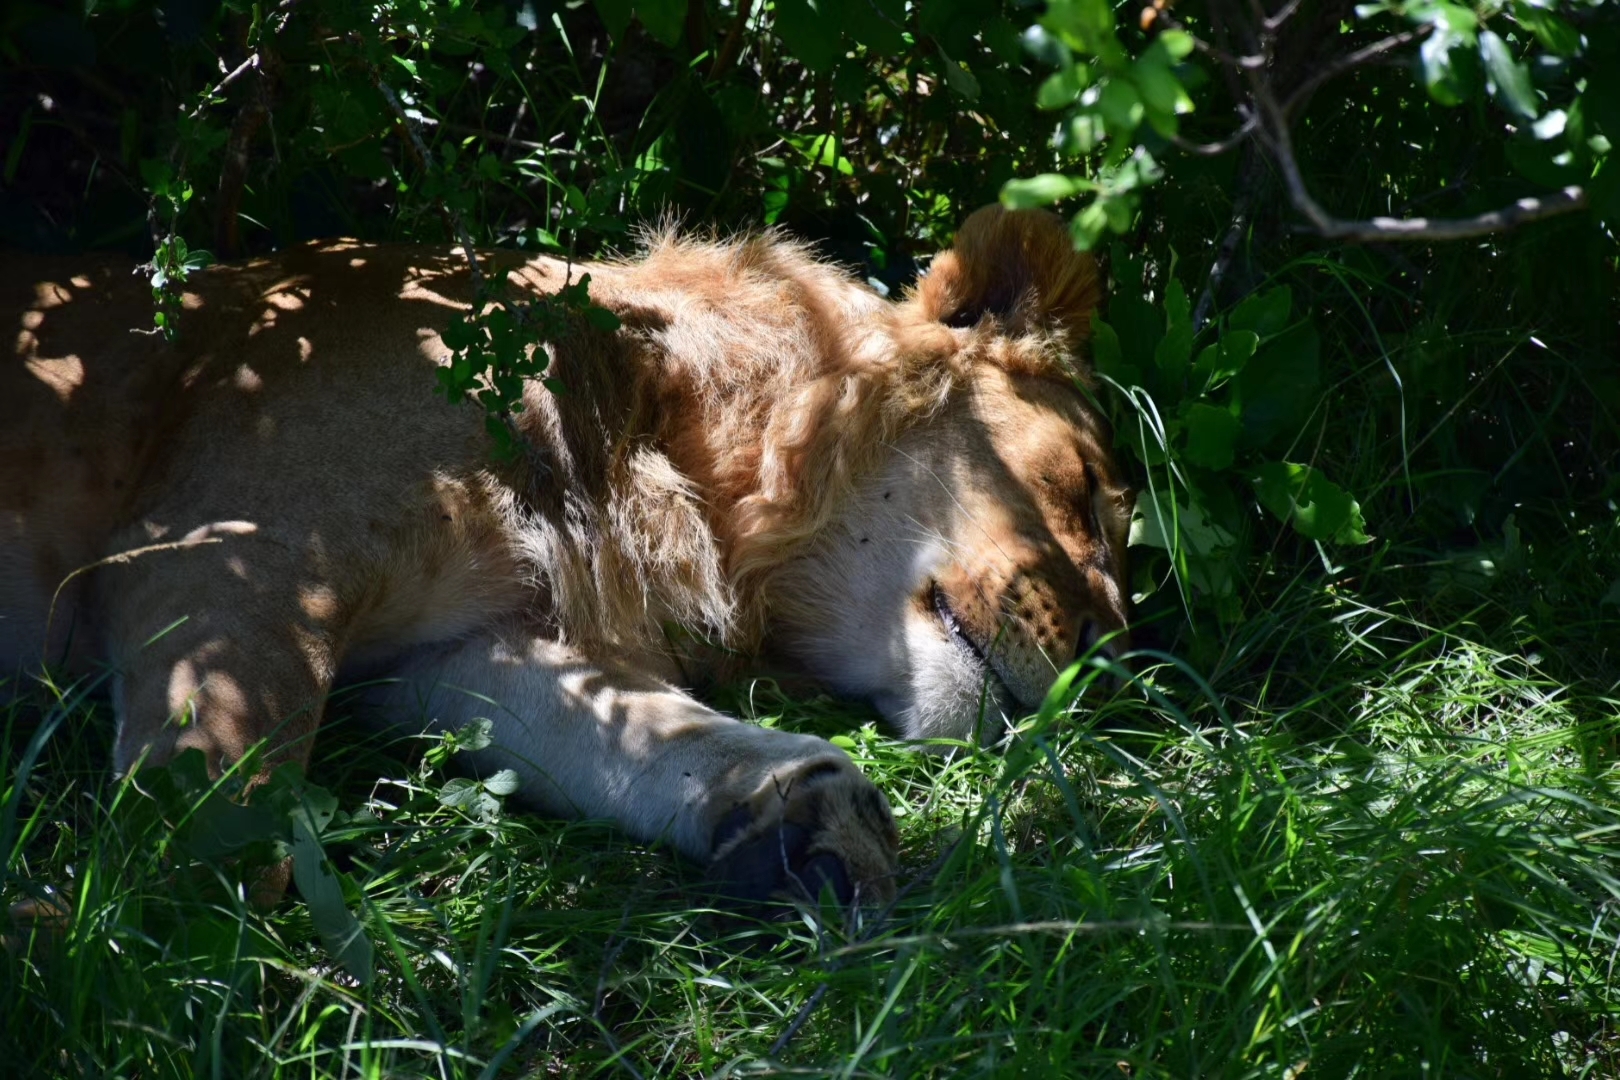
[[1390, 851]]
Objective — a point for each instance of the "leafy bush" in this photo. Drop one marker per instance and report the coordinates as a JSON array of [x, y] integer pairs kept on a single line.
[[1355, 815]]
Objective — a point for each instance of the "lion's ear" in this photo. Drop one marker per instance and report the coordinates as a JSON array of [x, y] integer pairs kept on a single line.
[[1017, 265]]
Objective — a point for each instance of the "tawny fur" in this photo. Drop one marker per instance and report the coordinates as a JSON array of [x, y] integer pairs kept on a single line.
[[229, 520]]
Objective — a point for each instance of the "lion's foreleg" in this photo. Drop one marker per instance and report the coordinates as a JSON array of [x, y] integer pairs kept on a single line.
[[770, 812]]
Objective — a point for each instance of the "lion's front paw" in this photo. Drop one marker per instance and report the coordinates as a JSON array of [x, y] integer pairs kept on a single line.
[[820, 825]]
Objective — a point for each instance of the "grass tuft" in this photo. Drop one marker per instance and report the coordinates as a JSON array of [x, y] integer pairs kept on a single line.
[[1391, 852]]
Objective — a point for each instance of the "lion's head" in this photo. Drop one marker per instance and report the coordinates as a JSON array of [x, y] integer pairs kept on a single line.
[[914, 501], [982, 549]]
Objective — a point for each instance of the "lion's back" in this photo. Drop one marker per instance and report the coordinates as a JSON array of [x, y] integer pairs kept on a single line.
[[284, 368]]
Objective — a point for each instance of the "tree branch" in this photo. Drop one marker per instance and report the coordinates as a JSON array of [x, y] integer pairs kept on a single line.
[[1275, 134], [1520, 212], [1248, 186], [1274, 23], [731, 47], [1332, 70], [1216, 149], [420, 151]]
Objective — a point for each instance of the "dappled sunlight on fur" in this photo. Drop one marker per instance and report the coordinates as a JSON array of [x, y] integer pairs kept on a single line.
[[910, 501]]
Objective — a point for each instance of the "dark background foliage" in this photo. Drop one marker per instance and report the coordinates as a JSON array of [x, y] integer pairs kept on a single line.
[[1368, 394], [1405, 404]]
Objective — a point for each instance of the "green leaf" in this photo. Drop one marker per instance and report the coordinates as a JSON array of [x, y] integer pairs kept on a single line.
[[1547, 163], [476, 734], [1507, 80], [221, 826], [1108, 358], [1605, 190], [1317, 508], [1147, 443], [959, 78], [1278, 387], [1159, 522], [1178, 43], [1089, 224], [1087, 26], [1042, 190], [1228, 356], [1121, 107], [809, 33], [878, 24], [1174, 351], [1438, 57], [501, 783], [827, 151], [156, 175], [1601, 102], [664, 19], [1177, 309], [602, 319], [1212, 434], [339, 931], [1160, 88], [459, 792], [1556, 35], [1062, 87], [1264, 313]]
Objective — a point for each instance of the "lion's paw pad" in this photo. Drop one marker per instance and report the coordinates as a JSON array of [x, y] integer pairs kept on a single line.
[[825, 828]]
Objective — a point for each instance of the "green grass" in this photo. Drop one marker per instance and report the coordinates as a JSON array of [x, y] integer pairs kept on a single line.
[[1370, 848]]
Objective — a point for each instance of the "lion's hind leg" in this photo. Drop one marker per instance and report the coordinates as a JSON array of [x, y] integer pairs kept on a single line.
[[771, 813], [223, 646]]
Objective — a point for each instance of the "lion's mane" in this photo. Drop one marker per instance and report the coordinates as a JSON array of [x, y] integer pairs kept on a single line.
[[697, 450]]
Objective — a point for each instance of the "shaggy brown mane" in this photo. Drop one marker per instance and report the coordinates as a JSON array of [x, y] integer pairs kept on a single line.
[[764, 383]]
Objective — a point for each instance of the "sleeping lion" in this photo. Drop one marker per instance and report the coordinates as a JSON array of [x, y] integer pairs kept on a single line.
[[911, 502]]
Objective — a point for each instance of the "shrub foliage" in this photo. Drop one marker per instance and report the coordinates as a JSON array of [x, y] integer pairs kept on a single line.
[[1355, 815]]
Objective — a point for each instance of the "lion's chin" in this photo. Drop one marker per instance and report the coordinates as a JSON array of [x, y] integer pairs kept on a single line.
[[948, 692]]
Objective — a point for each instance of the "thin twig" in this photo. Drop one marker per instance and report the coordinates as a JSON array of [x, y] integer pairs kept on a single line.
[[241, 69], [508, 140], [731, 47], [533, 455], [1218, 53], [237, 72], [1216, 149], [420, 150], [1274, 23], [1274, 132], [1333, 69], [1248, 182], [1519, 212]]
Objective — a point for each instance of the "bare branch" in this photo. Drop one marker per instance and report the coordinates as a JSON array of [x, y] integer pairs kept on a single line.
[[1520, 212], [1270, 122], [1333, 69], [241, 69], [1275, 22], [1248, 186], [1215, 149], [1215, 52], [731, 47], [1274, 133], [420, 151]]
